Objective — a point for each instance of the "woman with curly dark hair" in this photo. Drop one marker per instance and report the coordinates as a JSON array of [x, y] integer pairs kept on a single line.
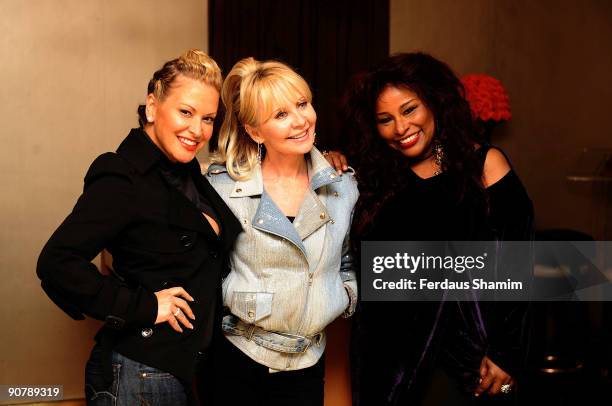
[[424, 176]]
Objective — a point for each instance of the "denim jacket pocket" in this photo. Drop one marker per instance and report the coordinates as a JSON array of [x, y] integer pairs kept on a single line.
[[251, 307]]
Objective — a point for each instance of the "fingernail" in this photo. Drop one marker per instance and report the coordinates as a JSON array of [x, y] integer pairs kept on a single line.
[[191, 326]]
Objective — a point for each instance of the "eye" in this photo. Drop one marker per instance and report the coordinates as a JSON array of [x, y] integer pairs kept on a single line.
[[302, 104], [208, 120], [280, 115], [409, 110], [383, 120], [185, 112]]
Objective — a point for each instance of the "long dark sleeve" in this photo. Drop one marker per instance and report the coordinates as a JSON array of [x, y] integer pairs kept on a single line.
[[105, 208], [511, 216]]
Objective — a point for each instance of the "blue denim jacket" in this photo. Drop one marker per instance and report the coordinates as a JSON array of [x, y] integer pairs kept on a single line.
[[292, 278]]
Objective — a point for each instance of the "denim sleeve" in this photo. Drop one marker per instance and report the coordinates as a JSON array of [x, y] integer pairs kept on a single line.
[[347, 262], [347, 273]]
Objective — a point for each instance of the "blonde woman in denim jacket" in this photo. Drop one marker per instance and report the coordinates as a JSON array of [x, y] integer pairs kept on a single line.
[[291, 271]]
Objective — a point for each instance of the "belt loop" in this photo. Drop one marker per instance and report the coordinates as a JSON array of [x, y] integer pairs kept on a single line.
[[250, 331]]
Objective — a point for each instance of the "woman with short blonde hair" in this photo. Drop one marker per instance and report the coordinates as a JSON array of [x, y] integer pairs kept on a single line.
[[251, 91], [291, 270], [169, 234]]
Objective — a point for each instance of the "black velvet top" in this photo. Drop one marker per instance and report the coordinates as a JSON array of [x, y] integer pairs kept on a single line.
[[399, 343], [427, 210]]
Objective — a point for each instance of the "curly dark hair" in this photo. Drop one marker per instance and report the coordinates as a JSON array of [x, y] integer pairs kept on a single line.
[[381, 170]]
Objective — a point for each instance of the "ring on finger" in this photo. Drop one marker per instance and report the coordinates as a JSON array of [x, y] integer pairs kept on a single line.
[[177, 312], [506, 388]]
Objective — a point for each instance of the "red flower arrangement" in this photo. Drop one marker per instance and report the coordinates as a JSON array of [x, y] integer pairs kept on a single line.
[[487, 97]]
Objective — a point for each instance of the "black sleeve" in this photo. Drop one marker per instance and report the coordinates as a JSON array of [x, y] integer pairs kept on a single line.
[[510, 209], [511, 218], [104, 209]]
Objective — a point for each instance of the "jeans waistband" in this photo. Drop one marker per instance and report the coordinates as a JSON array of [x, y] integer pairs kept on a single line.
[[272, 340]]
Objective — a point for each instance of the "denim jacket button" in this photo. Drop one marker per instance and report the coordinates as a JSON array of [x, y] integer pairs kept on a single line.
[[146, 332], [322, 215], [260, 221]]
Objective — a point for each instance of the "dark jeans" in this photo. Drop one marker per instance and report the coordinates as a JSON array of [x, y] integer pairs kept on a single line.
[[240, 380], [133, 384]]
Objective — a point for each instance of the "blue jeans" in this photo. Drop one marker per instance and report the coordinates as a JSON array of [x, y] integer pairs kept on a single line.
[[134, 384]]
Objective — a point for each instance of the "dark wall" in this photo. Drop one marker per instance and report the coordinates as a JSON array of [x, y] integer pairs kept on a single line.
[[325, 41]]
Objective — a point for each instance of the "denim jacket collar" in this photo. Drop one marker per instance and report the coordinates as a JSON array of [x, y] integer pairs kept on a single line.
[[320, 173], [312, 213]]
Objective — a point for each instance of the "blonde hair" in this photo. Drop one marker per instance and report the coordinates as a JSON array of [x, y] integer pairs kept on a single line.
[[252, 91], [194, 64]]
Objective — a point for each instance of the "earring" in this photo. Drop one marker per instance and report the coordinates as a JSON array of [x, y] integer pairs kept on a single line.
[[438, 155], [314, 138], [259, 153]]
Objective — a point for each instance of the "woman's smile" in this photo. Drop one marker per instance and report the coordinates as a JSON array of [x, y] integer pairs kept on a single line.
[[409, 140], [188, 144]]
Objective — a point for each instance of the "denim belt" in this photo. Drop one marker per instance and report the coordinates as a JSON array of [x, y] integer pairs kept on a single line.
[[272, 340]]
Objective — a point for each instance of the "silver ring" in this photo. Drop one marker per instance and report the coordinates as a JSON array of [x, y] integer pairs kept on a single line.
[[506, 388], [177, 312]]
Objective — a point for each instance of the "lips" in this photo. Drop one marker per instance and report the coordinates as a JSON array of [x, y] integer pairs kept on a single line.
[[299, 137], [409, 140], [187, 143]]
